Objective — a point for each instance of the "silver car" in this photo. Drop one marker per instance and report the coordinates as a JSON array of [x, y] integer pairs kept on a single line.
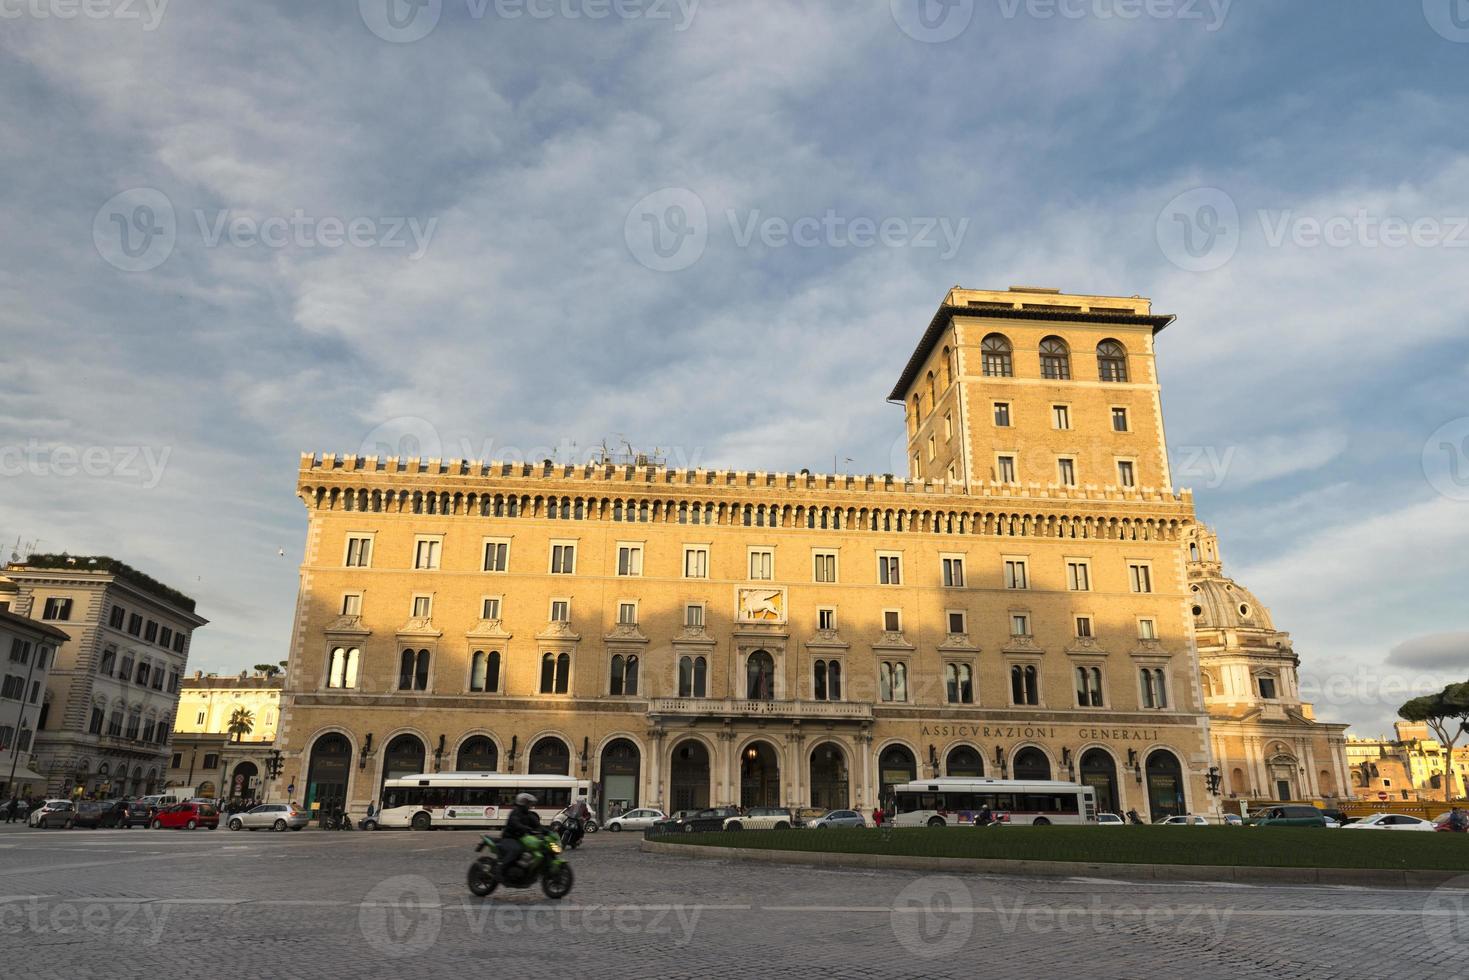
[[276, 816], [640, 819], [838, 818]]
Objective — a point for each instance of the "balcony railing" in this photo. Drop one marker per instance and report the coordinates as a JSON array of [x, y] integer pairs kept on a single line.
[[742, 708]]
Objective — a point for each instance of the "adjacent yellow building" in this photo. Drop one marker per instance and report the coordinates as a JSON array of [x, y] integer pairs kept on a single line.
[[1017, 605]]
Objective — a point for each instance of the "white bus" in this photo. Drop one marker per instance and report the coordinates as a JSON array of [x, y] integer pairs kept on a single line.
[[472, 799], [955, 801]]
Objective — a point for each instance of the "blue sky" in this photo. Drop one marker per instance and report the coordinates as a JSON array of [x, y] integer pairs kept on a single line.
[[237, 232]]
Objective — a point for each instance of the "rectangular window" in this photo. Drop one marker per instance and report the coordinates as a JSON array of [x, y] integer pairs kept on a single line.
[[20, 651], [1019, 624], [1066, 472], [1126, 475], [892, 620], [1002, 414], [359, 551], [150, 632], [1140, 576], [165, 637], [959, 683], [1267, 688], [826, 619], [422, 606], [177, 762], [1005, 469], [426, 553], [824, 566], [953, 573], [627, 613], [211, 761], [200, 720], [693, 616], [1078, 576], [629, 559], [762, 564], [1060, 416], [1083, 627], [352, 604], [135, 624], [932, 448], [1017, 575], [695, 562], [1147, 629], [179, 640], [497, 556], [1119, 420], [490, 607], [115, 617], [57, 608], [957, 622], [563, 559], [948, 426], [889, 569], [560, 610]]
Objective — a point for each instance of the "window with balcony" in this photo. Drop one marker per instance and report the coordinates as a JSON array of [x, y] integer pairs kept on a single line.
[[692, 677], [827, 680], [624, 675]]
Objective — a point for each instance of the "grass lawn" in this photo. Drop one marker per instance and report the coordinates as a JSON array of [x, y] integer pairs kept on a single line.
[[1274, 847]]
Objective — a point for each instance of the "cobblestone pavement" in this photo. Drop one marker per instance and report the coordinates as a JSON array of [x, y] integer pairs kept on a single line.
[[315, 904]]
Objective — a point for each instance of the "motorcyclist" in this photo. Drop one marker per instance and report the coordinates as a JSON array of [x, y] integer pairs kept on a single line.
[[522, 822]]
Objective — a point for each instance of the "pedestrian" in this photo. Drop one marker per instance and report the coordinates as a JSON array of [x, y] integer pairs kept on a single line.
[[877, 816], [10, 809], [1132, 816], [1458, 820]]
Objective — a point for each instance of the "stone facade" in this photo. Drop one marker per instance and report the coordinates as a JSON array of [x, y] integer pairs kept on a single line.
[[207, 754], [1408, 766], [112, 691], [27, 650], [797, 638]]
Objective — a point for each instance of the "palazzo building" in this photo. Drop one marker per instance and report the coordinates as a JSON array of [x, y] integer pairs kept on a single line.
[[1016, 606], [224, 734]]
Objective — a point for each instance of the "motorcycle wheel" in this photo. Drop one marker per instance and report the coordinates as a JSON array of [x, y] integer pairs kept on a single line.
[[557, 883], [481, 878]]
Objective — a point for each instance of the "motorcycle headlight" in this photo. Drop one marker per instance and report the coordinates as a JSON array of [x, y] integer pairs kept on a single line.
[[555, 846]]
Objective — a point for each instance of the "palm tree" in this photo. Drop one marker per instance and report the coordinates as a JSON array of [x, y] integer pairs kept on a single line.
[[242, 723]]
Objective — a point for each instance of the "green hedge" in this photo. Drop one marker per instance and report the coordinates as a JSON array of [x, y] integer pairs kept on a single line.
[[1274, 847]]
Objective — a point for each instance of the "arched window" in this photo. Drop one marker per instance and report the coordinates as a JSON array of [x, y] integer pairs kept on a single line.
[[1111, 361], [484, 671], [1024, 685], [551, 757], [916, 416], [343, 670], [477, 754], [1088, 687], [1155, 688], [1055, 359], [1031, 764], [833, 680], [760, 677], [946, 378], [959, 680], [692, 673], [933, 395], [819, 682], [995, 354], [555, 673], [624, 674], [893, 681]]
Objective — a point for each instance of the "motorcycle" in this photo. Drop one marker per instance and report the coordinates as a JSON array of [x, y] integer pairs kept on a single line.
[[540, 861], [571, 831]]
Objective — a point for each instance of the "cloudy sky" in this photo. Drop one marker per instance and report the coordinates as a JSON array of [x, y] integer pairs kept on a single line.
[[505, 228]]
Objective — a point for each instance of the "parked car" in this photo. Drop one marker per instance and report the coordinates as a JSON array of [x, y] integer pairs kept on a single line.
[[186, 815], [54, 813], [1110, 820], [688, 821], [762, 818], [276, 816], [640, 819], [1391, 821], [1233, 820], [805, 815], [98, 813], [1289, 815], [838, 818], [138, 814], [1182, 820]]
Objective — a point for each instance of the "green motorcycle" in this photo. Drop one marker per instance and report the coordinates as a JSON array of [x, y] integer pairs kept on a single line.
[[540, 860]]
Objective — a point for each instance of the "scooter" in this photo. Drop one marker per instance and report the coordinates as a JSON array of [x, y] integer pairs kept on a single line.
[[540, 861], [571, 831]]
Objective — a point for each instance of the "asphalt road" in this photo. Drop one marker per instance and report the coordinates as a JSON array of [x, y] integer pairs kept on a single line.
[[172, 904]]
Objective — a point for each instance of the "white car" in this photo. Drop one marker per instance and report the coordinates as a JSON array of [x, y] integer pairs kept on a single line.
[[1390, 821], [1110, 820], [762, 818], [640, 819], [35, 815], [1183, 820]]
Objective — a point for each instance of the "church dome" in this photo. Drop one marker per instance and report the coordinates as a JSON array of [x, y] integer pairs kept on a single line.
[[1215, 600]]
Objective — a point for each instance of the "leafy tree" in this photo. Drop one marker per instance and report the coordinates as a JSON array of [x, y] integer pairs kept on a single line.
[[1447, 716], [242, 723], [269, 670]]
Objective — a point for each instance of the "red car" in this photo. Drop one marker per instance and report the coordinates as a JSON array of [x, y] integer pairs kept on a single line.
[[187, 816]]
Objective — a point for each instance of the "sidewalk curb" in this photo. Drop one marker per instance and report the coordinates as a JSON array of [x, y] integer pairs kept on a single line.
[[1368, 877]]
